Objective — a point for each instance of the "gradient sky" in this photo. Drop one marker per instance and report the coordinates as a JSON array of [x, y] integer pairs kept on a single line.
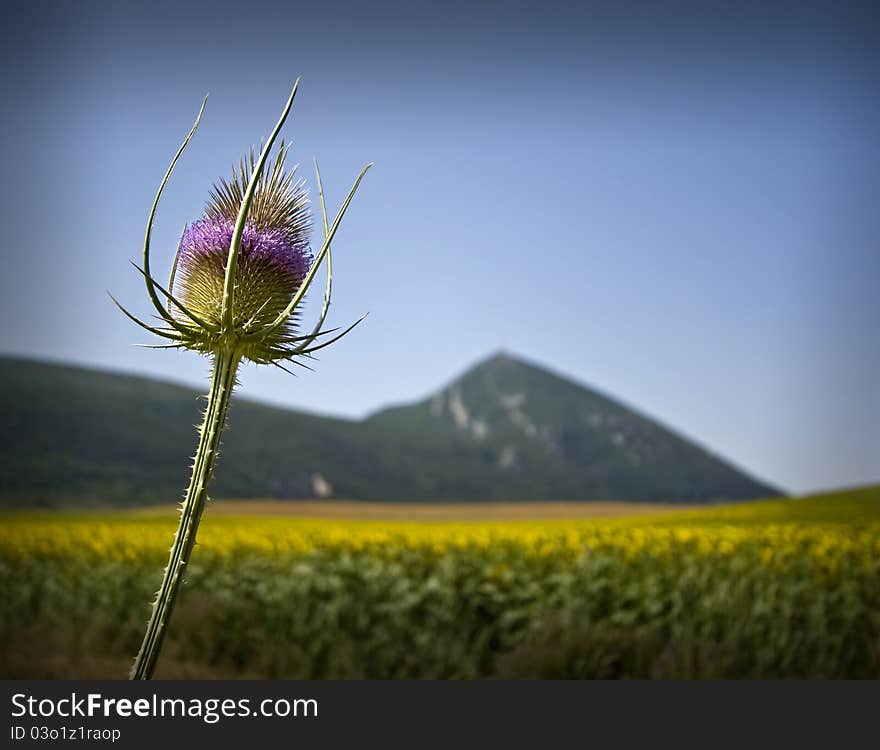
[[676, 204]]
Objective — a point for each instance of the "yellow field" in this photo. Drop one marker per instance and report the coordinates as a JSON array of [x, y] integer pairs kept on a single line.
[[778, 588], [830, 527]]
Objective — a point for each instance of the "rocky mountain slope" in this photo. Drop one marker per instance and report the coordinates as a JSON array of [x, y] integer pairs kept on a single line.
[[505, 430]]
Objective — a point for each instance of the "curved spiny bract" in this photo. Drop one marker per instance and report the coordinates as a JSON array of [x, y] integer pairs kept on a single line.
[[328, 287], [322, 253], [151, 291], [228, 314]]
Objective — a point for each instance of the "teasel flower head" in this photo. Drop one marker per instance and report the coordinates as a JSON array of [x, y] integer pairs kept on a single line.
[[242, 269], [273, 260]]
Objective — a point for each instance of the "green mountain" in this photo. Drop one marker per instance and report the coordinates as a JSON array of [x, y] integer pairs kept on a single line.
[[505, 430]]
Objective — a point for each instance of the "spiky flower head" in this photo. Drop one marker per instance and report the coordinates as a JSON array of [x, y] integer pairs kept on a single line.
[[242, 269], [274, 257]]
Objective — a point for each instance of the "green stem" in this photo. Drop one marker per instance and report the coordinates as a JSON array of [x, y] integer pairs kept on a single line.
[[222, 382]]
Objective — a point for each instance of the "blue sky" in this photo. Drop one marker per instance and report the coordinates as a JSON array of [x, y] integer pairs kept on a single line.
[[677, 208]]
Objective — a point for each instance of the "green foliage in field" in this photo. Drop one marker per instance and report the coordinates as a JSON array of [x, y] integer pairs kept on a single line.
[[775, 589]]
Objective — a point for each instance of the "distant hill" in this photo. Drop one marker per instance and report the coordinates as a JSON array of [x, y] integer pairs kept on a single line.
[[505, 430]]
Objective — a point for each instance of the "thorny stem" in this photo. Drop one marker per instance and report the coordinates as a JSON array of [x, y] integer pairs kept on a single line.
[[222, 383]]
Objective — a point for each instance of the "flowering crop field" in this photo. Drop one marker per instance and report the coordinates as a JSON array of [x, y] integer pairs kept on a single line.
[[785, 588]]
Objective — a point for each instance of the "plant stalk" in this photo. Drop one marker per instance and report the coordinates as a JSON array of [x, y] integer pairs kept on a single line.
[[222, 382]]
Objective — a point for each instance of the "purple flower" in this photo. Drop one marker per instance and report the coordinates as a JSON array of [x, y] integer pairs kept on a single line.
[[270, 269], [206, 241]]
